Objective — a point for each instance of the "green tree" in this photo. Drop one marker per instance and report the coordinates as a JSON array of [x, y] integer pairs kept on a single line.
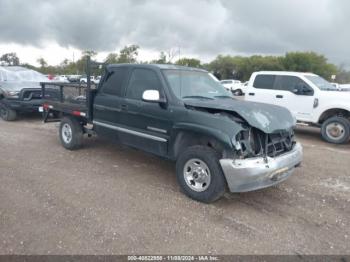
[[128, 54], [192, 62], [343, 76], [224, 66], [80, 64], [41, 61], [10, 59], [112, 58], [161, 60], [309, 62], [90, 53], [64, 63]]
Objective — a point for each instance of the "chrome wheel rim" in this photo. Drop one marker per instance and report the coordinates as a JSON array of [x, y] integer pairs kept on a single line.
[[335, 130], [197, 175], [66, 133]]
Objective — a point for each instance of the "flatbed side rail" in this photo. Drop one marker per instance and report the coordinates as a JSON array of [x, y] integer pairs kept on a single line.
[[67, 98], [80, 103]]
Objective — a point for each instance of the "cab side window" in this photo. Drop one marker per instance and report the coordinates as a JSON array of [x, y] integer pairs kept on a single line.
[[264, 81], [292, 84], [142, 80], [114, 81]]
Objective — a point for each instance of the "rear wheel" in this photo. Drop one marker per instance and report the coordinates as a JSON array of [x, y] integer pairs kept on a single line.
[[71, 133], [336, 130], [7, 114], [200, 175], [238, 92]]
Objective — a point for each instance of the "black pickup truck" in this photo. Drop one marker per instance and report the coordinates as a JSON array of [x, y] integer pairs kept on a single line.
[[184, 115]]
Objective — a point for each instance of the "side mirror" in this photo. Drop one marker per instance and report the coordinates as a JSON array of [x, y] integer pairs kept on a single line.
[[296, 91], [152, 96], [302, 89]]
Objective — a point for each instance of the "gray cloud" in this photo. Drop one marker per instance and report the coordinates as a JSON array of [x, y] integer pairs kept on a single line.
[[203, 27]]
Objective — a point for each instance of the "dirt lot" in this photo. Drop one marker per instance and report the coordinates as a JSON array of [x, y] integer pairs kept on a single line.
[[106, 199]]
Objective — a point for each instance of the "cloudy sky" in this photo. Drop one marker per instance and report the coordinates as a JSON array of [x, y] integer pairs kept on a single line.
[[200, 28]]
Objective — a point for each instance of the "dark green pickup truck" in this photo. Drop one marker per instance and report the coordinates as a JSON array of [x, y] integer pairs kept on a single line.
[[184, 115]]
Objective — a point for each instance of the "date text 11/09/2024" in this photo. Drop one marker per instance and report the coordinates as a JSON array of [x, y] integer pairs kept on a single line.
[[173, 258]]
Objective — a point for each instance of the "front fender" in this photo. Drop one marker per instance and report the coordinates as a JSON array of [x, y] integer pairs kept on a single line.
[[219, 135], [181, 130]]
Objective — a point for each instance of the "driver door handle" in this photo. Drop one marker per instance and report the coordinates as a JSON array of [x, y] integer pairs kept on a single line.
[[124, 107], [279, 96]]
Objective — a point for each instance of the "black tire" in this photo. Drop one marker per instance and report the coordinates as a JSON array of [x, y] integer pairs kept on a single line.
[[7, 114], [75, 139], [217, 185], [238, 92], [337, 122], [56, 114]]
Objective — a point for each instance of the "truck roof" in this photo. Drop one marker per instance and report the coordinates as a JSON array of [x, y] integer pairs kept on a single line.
[[285, 73], [160, 66], [14, 68]]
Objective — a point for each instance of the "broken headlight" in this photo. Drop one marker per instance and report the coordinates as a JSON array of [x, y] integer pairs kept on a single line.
[[247, 143]]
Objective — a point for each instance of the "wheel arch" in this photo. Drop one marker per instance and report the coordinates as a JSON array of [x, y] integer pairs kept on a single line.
[[333, 112], [185, 138]]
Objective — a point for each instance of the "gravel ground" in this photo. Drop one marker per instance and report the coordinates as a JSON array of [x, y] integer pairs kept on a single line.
[[108, 199]]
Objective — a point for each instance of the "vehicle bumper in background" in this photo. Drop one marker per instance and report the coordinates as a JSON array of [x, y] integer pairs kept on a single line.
[[244, 175], [23, 106]]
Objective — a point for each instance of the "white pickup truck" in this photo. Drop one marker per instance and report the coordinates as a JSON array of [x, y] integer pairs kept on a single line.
[[310, 98], [94, 80]]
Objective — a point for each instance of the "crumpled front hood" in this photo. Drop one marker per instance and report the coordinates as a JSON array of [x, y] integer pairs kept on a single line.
[[267, 118]]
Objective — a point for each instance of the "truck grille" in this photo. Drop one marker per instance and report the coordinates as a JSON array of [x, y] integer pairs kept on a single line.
[[31, 94], [277, 144], [254, 143]]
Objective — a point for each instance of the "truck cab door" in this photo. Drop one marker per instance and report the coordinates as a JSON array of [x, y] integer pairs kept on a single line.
[[261, 90], [147, 124], [295, 94], [107, 107]]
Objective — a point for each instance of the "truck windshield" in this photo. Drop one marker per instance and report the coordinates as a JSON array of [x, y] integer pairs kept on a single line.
[[194, 84], [321, 83]]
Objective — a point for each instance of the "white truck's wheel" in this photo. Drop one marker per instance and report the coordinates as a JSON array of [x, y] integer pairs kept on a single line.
[[336, 130]]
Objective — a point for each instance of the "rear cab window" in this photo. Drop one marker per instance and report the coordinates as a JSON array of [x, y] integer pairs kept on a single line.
[[264, 81], [114, 81]]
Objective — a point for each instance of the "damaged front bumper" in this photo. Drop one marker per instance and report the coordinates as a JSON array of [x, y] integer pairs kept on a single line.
[[244, 175]]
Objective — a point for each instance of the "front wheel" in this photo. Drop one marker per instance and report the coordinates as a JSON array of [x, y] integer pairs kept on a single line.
[[336, 130], [7, 114], [238, 92], [199, 174], [71, 133]]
